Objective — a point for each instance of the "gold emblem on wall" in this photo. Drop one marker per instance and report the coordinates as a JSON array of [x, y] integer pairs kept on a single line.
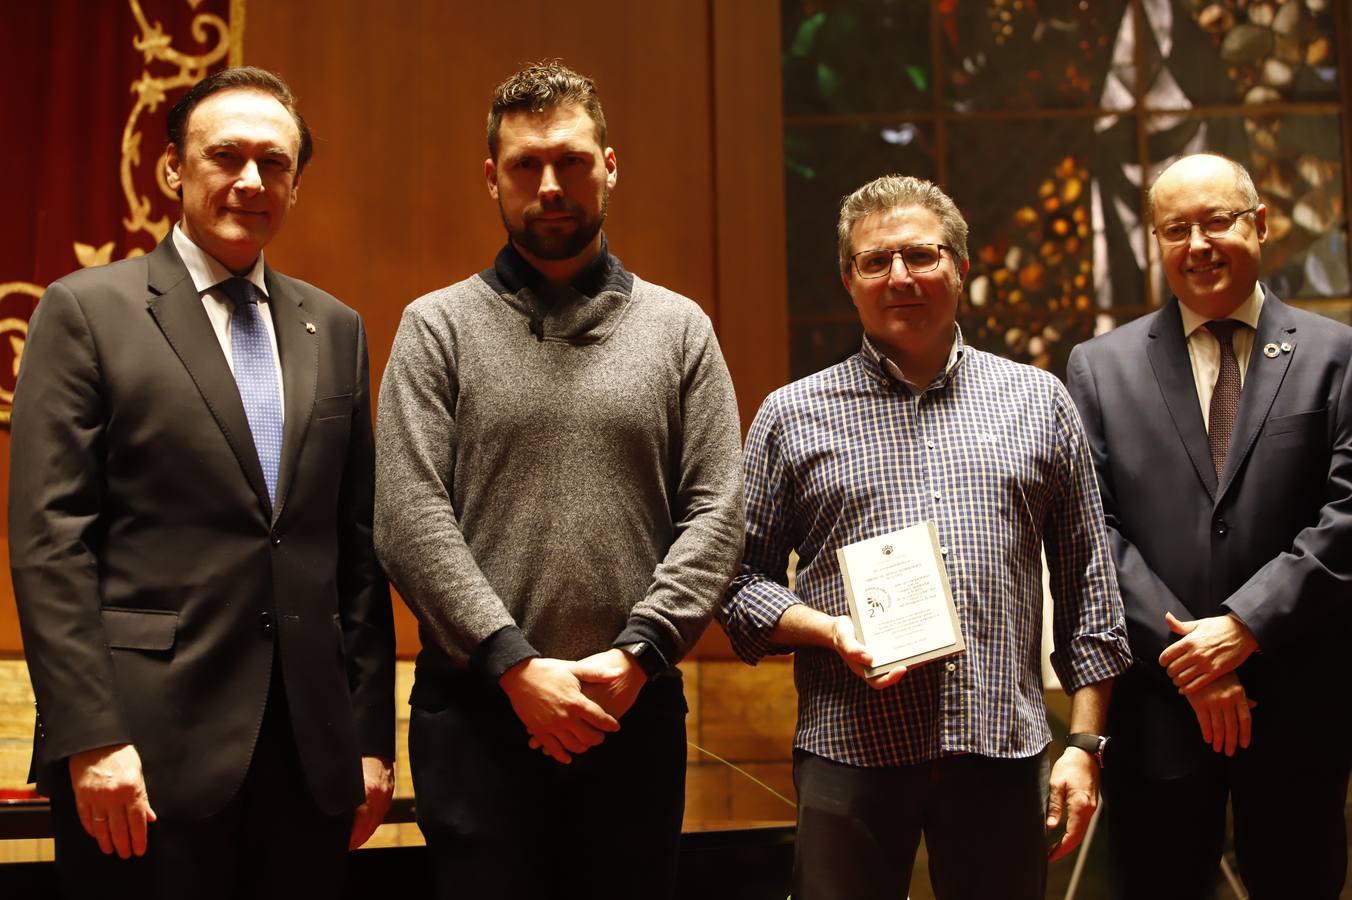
[[146, 215]]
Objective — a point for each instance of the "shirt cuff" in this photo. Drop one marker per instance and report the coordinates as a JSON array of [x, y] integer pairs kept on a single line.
[[500, 651], [647, 631]]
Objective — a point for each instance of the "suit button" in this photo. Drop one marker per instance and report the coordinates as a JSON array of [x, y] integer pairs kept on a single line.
[[276, 539], [265, 620], [1221, 528]]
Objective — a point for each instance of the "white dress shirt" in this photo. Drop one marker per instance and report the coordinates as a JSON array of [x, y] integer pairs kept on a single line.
[[1204, 351], [206, 273]]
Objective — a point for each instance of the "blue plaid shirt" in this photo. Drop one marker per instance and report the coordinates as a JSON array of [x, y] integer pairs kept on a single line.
[[994, 453]]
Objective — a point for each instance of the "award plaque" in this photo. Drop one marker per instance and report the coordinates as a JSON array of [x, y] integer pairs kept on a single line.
[[899, 598]]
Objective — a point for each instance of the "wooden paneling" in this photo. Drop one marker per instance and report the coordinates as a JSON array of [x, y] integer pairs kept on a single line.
[[394, 203]]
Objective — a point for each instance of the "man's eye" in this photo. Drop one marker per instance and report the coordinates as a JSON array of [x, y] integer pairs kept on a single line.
[[920, 258], [1175, 231], [875, 262]]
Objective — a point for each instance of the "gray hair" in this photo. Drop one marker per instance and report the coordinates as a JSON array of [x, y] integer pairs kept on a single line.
[[1243, 181], [897, 192]]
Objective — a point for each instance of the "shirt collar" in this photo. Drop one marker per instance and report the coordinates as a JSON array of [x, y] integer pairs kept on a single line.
[[515, 272], [883, 366], [207, 272], [1247, 312]]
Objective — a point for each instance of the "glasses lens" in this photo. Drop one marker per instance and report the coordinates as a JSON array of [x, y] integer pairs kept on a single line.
[[1219, 224], [874, 263], [1176, 231], [921, 257]]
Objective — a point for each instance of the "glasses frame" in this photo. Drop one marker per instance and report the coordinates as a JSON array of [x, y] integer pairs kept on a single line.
[[1173, 242], [900, 252]]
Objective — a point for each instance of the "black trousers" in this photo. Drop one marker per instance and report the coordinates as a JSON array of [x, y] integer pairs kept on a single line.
[[1165, 836], [502, 820], [270, 841], [859, 828]]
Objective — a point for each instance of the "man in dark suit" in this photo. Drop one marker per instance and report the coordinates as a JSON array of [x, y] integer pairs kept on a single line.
[[1221, 427], [206, 626]]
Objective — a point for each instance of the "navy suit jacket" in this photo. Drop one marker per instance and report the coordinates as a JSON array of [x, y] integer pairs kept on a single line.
[[1270, 540], [156, 582]]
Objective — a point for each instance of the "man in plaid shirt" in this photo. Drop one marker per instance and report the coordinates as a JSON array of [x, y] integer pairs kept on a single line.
[[919, 427]]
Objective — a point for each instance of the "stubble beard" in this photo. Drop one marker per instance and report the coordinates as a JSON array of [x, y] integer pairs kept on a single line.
[[556, 246]]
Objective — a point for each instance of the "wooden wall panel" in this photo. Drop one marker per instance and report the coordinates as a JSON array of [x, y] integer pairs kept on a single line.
[[394, 203]]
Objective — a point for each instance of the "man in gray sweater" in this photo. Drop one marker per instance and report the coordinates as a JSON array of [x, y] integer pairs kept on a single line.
[[559, 501]]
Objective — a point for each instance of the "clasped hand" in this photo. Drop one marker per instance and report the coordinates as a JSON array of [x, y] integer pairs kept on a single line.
[[568, 706]]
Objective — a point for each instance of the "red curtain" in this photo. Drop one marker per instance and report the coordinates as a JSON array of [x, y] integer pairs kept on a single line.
[[84, 91]]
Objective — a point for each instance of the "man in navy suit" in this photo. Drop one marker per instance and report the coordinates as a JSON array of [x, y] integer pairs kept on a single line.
[[1221, 427]]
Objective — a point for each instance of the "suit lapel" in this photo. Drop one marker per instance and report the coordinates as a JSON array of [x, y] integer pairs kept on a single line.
[[299, 351], [178, 311], [1261, 381], [1168, 352]]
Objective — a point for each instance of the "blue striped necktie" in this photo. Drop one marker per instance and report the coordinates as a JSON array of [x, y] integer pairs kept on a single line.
[[256, 376]]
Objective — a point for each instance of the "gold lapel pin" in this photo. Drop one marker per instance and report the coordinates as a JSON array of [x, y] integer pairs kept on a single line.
[[310, 327], [1270, 351], [1286, 347]]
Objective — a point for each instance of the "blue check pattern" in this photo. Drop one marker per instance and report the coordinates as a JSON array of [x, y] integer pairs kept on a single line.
[[994, 453], [256, 375]]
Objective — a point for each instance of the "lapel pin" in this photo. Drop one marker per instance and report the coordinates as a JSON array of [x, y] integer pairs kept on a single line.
[[310, 327], [1270, 351], [1286, 347]]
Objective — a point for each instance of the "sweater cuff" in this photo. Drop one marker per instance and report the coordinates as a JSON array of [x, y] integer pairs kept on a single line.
[[500, 651], [646, 630]]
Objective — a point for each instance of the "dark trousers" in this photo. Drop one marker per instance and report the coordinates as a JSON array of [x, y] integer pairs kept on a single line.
[[270, 841], [504, 821], [1165, 836], [859, 828]]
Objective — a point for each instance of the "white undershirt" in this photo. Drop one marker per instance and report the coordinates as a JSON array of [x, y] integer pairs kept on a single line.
[[1204, 351], [206, 273]]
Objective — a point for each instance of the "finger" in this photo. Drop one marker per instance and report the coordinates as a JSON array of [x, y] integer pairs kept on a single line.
[[554, 750], [1200, 678], [586, 736], [98, 829], [1177, 626], [1204, 723], [87, 819], [1077, 820], [136, 825], [1055, 803], [569, 741], [1245, 724], [359, 832], [883, 682], [593, 715], [1231, 729], [1217, 729], [118, 831]]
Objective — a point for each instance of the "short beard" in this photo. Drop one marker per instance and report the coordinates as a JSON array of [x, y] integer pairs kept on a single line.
[[557, 246]]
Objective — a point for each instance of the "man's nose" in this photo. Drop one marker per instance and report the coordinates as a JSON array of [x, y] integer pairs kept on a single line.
[[250, 180], [549, 182], [1198, 241], [899, 275]]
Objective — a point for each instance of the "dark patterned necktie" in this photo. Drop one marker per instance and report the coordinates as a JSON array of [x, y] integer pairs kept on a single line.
[[1225, 396], [256, 376]]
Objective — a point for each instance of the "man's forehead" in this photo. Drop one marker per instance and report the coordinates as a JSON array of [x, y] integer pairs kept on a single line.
[[899, 218], [567, 125], [237, 114], [1197, 183]]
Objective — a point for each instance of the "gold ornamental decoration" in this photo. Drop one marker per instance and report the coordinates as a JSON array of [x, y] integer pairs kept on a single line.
[[150, 90]]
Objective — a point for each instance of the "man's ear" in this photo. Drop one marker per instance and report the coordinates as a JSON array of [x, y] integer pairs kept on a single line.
[[612, 168], [172, 176], [491, 176]]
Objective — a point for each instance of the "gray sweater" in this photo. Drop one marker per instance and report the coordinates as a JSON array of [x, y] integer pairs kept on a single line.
[[556, 477]]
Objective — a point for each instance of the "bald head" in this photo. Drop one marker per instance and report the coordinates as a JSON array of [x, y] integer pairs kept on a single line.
[[1200, 165], [1209, 226]]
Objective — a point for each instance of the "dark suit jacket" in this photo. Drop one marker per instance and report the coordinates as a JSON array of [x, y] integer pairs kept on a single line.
[[153, 577], [1271, 542]]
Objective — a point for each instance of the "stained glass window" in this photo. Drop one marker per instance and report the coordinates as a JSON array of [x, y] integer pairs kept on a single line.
[[1046, 120]]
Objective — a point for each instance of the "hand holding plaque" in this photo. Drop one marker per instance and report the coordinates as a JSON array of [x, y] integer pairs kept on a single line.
[[899, 598]]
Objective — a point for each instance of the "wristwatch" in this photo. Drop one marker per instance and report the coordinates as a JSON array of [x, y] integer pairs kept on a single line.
[[647, 656], [1093, 744]]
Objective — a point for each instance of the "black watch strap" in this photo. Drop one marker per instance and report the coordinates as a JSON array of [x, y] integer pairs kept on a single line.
[[1093, 744], [647, 656]]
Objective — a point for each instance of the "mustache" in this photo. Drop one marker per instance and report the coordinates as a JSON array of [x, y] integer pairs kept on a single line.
[[552, 205]]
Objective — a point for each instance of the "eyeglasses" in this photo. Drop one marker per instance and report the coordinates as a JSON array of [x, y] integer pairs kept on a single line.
[[1218, 224], [917, 258]]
